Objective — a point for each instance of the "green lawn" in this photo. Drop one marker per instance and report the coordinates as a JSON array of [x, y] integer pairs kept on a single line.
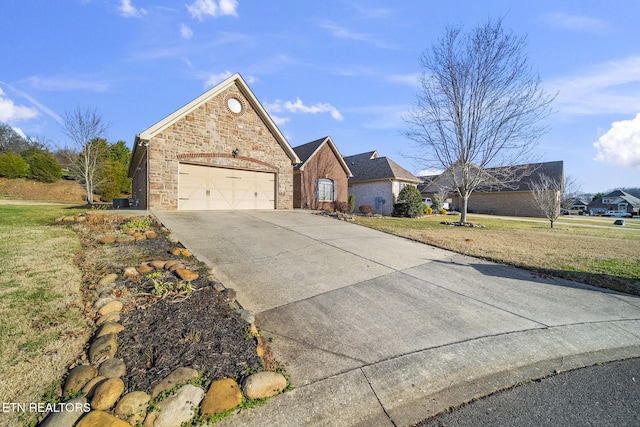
[[42, 329], [589, 250]]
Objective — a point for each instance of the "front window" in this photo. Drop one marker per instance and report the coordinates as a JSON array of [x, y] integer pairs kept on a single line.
[[325, 190]]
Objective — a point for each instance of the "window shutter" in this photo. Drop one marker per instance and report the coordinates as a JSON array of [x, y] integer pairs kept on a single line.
[[335, 191]]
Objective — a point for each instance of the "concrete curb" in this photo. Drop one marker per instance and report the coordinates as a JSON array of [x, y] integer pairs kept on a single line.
[[408, 389]]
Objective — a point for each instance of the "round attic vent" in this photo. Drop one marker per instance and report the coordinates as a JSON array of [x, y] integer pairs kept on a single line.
[[235, 105]]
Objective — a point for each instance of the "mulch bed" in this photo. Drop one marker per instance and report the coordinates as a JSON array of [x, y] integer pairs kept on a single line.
[[198, 329]]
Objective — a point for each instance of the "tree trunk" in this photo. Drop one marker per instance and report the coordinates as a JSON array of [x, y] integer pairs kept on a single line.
[[463, 208]]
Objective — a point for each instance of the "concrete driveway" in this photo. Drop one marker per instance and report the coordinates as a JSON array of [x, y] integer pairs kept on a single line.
[[379, 330]]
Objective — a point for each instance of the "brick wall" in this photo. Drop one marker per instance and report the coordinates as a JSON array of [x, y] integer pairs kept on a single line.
[[323, 164], [208, 135], [509, 203]]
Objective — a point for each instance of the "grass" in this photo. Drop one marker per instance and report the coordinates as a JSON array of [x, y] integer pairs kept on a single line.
[[581, 249], [42, 330]]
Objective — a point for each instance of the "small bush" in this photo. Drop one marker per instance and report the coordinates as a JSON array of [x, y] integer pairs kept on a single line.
[[443, 212], [409, 203], [436, 203], [43, 167], [340, 206], [366, 209], [428, 210], [12, 166], [351, 200]]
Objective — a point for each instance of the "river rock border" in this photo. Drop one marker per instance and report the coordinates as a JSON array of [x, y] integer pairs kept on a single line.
[[96, 393]]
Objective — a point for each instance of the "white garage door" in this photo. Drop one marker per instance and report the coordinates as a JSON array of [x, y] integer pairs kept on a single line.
[[209, 188]]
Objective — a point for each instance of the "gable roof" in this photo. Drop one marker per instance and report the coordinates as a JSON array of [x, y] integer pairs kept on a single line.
[[525, 175], [370, 167], [619, 194], [306, 151], [177, 115]]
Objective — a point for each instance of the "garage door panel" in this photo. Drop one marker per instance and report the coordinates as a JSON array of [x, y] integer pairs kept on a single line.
[[210, 188]]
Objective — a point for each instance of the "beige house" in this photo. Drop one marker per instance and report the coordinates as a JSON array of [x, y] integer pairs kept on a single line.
[[220, 151], [377, 181], [510, 196]]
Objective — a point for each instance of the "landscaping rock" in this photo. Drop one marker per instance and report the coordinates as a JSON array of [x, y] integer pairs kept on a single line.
[[108, 279], [126, 239], [169, 264], [101, 419], [246, 315], [108, 328], [104, 346], [180, 375], [66, 418], [158, 264], [133, 406], [107, 240], [111, 317], [186, 274], [111, 307], [78, 377], [229, 294], [107, 394], [145, 268], [112, 368], [178, 251], [176, 266], [131, 273], [151, 235], [263, 384], [90, 388], [179, 408], [222, 396]]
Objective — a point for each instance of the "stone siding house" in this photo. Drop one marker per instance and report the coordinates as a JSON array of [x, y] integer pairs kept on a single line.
[[511, 198], [377, 181], [220, 151], [321, 179]]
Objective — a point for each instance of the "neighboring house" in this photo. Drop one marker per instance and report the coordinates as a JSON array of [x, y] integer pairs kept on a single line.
[[220, 151], [511, 198], [615, 201], [321, 179], [579, 205], [377, 181]]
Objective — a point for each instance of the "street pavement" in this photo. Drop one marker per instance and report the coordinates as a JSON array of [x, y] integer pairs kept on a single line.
[[603, 395], [374, 329]]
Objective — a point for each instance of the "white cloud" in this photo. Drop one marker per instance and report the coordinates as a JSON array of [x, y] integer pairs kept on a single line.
[[185, 31], [10, 112], [57, 83], [609, 88], [214, 79], [129, 11], [200, 9], [299, 107], [279, 121], [621, 144], [575, 22]]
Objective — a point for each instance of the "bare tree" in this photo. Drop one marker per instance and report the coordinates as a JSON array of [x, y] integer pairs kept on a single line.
[[546, 192], [85, 127], [571, 192], [478, 111]]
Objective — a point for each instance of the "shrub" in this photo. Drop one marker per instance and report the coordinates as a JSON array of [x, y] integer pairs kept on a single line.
[[366, 209], [409, 202], [428, 210], [443, 212], [12, 166], [43, 167], [436, 203], [340, 206], [351, 200]]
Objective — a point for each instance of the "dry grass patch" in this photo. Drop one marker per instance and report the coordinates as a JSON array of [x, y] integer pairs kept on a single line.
[[42, 329], [605, 257]]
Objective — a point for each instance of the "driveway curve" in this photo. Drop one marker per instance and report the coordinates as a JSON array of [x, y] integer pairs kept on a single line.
[[374, 329]]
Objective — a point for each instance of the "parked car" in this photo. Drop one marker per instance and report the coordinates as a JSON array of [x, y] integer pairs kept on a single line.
[[618, 214], [565, 212]]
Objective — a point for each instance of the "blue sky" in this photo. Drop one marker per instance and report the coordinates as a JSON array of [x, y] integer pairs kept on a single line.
[[348, 69]]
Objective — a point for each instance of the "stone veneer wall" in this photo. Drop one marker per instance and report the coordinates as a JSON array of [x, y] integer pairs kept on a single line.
[[207, 136]]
